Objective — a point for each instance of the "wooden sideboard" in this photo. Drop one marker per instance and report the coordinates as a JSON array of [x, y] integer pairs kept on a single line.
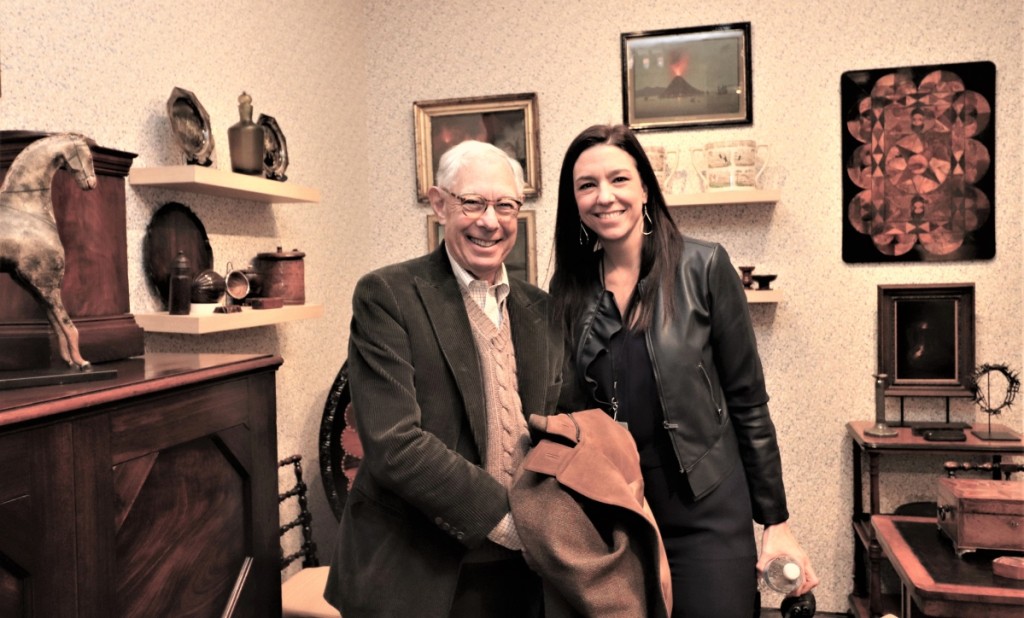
[[151, 494]]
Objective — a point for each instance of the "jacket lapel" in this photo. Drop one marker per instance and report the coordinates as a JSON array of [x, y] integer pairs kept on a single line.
[[442, 300], [530, 338]]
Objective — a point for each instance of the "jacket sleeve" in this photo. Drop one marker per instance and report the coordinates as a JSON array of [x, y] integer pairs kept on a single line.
[[412, 464], [742, 378]]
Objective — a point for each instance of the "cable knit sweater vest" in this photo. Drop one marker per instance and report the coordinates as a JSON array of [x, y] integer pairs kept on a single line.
[[508, 438]]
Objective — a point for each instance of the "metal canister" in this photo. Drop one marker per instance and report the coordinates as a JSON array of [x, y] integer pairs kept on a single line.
[[283, 275]]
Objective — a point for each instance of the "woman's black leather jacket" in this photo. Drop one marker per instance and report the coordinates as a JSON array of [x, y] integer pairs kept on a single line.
[[708, 373]]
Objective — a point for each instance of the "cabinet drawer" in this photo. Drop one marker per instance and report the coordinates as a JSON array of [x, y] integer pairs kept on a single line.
[[164, 421]]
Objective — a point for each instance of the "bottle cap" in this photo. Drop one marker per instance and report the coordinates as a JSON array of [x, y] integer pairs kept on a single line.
[[791, 571]]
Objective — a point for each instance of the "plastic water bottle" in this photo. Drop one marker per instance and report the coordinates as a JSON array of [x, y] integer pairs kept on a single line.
[[783, 575]]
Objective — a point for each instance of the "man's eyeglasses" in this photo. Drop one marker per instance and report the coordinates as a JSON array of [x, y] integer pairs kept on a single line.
[[505, 208]]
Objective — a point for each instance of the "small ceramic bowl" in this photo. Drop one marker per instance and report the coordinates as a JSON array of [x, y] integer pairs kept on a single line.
[[764, 282]]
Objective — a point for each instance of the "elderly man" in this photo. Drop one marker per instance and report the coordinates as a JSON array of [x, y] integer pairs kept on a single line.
[[447, 358]]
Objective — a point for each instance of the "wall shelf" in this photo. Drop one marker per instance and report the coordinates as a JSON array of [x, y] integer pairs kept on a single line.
[[221, 183], [712, 198], [758, 296], [217, 322]]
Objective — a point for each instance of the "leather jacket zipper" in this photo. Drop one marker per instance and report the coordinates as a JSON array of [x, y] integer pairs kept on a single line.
[[669, 427], [711, 390]]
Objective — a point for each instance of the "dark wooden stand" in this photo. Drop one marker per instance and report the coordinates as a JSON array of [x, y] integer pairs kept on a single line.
[[154, 494], [92, 229], [866, 599]]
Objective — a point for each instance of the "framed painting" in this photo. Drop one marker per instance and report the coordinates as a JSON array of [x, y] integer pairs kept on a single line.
[[918, 148], [926, 339], [521, 263], [687, 77], [509, 121]]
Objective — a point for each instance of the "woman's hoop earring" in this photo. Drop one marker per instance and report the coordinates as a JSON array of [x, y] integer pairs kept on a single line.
[[648, 218], [584, 237]]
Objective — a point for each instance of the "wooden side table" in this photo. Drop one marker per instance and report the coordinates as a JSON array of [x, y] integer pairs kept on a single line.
[[938, 583], [866, 599]]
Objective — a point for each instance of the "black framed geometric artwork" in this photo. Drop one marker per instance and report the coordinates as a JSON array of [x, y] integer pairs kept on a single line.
[[918, 147]]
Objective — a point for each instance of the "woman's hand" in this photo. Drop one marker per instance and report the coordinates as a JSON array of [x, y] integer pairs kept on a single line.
[[779, 540]]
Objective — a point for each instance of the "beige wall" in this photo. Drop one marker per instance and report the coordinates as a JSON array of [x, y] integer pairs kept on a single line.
[[340, 78]]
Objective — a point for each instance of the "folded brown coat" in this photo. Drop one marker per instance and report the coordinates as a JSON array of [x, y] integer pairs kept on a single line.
[[578, 504]]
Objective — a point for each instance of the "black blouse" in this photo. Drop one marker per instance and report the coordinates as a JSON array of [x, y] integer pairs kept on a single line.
[[626, 389]]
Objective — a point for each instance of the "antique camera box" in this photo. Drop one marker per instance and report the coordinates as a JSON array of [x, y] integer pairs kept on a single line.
[[982, 514]]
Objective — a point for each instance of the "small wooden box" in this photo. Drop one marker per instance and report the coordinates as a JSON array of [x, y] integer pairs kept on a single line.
[[982, 514]]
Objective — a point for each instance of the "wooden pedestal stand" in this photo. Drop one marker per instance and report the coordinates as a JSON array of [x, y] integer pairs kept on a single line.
[[95, 291]]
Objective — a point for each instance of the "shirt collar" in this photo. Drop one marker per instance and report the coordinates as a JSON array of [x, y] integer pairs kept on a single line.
[[464, 277]]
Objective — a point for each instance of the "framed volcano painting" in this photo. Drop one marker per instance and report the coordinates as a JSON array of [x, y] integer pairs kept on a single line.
[[918, 147], [687, 77]]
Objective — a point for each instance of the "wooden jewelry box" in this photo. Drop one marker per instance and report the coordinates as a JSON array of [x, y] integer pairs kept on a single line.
[[982, 514]]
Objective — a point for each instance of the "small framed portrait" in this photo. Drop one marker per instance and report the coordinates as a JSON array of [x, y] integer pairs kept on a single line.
[[521, 263], [687, 77], [507, 121], [926, 339]]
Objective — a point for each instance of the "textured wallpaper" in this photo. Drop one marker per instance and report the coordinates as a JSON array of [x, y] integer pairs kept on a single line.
[[340, 77]]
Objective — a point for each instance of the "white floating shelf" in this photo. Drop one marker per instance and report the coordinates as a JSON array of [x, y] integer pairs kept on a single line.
[[761, 296], [218, 322], [221, 183], [712, 198]]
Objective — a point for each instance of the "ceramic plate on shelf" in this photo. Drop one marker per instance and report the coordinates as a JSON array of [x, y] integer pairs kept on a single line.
[[173, 228], [275, 149], [191, 126]]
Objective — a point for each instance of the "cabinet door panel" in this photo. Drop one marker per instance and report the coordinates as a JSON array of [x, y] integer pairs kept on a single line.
[[37, 525], [183, 539]]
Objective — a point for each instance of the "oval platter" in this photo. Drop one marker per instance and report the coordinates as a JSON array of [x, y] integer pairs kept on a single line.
[[174, 227]]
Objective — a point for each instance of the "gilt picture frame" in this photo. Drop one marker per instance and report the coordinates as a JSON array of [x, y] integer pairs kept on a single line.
[[521, 262], [687, 77], [508, 121], [926, 339]]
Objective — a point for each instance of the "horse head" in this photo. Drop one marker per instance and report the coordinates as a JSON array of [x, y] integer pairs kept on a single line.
[[78, 160]]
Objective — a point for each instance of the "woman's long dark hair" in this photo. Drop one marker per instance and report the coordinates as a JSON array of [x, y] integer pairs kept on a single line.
[[576, 262]]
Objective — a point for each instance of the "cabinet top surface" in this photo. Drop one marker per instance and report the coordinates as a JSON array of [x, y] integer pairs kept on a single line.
[[135, 376], [905, 440]]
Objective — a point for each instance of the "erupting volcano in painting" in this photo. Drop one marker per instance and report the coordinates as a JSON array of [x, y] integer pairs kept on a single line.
[[687, 77]]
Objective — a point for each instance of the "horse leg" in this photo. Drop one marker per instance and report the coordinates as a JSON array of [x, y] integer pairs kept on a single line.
[[67, 333]]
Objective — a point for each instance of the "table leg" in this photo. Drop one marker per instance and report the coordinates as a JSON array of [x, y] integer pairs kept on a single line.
[[906, 603], [859, 551], [875, 577], [874, 549], [873, 465]]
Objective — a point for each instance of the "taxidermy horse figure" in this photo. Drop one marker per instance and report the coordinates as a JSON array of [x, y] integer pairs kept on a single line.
[[30, 248]]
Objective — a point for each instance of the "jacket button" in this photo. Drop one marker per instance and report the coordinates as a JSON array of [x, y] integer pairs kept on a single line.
[[459, 535], [438, 521]]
